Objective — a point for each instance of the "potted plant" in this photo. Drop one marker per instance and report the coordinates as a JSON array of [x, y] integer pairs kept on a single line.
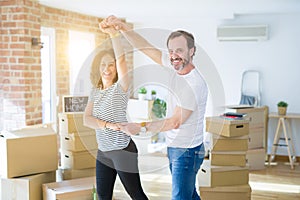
[[142, 93], [153, 94], [282, 107]]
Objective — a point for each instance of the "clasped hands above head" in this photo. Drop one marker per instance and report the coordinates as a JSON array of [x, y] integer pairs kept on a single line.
[[111, 24]]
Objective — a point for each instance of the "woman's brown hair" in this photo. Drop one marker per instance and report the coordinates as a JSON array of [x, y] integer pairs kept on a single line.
[[95, 75]]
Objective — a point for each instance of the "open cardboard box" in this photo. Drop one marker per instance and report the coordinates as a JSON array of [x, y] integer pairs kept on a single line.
[[27, 151]]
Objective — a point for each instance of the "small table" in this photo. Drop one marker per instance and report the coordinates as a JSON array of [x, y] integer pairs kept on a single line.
[[283, 120]]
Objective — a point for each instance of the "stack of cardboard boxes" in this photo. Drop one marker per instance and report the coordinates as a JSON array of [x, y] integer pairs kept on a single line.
[[29, 158], [78, 149], [256, 153], [226, 174]]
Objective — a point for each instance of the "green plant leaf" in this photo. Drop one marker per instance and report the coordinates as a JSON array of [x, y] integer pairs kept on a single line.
[[159, 108], [142, 90], [282, 104]]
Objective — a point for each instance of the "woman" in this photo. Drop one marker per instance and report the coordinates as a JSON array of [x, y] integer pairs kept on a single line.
[[117, 153]]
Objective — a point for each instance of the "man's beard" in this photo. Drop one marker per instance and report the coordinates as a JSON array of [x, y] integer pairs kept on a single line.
[[179, 68]]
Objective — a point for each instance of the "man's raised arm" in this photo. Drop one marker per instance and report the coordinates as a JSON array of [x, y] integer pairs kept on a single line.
[[135, 39]]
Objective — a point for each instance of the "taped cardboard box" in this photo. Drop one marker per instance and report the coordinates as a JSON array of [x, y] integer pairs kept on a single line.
[[227, 127], [228, 158], [237, 192], [212, 176], [26, 187], [72, 142], [78, 160], [256, 158], [255, 115], [221, 143], [76, 189], [28, 151], [71, 123]]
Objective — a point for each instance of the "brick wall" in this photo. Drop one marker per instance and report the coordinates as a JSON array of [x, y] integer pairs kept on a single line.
[[20, 62]]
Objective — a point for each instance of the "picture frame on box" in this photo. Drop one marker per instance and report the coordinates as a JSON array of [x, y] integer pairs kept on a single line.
[[74, 104]]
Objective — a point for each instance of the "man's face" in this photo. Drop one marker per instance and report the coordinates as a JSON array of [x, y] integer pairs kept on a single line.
[[179, 53]]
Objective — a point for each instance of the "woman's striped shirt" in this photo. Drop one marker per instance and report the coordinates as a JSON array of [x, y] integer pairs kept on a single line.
[[110, 105]]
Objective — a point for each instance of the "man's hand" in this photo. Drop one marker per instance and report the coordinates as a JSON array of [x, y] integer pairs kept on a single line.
[[106, 28], [117, 23], [130, 128]]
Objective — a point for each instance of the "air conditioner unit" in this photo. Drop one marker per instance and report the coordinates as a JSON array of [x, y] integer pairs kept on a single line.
[[242, 33]]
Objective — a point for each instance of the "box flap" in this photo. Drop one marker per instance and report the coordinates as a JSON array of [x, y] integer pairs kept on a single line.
[[222, 120], [206, 167], [70, 115], [32, 131]]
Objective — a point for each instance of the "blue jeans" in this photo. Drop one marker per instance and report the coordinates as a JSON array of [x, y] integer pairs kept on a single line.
[[184, 164], [123, 163]]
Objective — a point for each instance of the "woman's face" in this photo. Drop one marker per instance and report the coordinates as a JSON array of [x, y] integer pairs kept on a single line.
[[108, 69]]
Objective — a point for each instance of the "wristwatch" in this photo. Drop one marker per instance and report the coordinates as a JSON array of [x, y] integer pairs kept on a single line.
[[143, 127]]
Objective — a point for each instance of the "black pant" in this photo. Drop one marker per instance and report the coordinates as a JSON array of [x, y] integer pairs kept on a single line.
[[124, 163]]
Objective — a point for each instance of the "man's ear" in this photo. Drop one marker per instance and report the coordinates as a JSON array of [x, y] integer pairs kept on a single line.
[[192, 52]]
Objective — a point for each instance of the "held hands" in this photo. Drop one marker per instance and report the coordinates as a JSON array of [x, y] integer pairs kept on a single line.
[[130, 128], [106, 28], [111, 25]]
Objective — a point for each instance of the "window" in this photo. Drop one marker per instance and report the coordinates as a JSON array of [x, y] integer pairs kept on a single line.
[[80, 47], [48, 75]]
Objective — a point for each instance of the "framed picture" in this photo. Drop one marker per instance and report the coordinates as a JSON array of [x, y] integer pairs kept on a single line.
[[74, 103]]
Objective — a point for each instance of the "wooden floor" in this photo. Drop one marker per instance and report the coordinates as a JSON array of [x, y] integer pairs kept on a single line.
[[275, 182]]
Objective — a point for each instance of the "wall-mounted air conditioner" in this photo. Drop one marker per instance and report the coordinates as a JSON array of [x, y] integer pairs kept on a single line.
[[242, 33]]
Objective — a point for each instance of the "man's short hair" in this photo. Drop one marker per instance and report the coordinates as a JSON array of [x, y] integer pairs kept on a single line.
[[188, 36]]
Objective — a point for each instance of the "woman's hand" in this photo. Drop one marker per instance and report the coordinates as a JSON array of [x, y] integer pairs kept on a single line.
[[130, 128], [112, 23], [105, 27], [113, 126]]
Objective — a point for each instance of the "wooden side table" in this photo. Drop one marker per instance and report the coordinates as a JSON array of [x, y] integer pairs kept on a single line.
[[283, 120]]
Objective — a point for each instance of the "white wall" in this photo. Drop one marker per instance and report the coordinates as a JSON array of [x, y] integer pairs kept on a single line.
[[277, 59]]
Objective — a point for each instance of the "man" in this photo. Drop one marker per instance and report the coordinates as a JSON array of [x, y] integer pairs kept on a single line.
[[185, 109]]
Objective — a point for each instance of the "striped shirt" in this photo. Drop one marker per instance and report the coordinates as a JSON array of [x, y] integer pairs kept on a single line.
[[110, 105]]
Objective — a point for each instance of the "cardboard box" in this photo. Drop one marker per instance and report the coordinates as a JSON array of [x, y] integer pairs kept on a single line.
[[68, 174], [28, 151], [256, 138], [212, 176], [221, 143], [78, 160], [237, 192], [227, 127], [256, 158], [72, 142], [72, 123], [76, 189], [228, 158], [26, 187], [255, 115]]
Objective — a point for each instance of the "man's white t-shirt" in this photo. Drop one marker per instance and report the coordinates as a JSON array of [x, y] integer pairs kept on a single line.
[[190, 92]]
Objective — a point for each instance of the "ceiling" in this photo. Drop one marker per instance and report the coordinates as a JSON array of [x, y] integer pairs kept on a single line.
[[142, 10]]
